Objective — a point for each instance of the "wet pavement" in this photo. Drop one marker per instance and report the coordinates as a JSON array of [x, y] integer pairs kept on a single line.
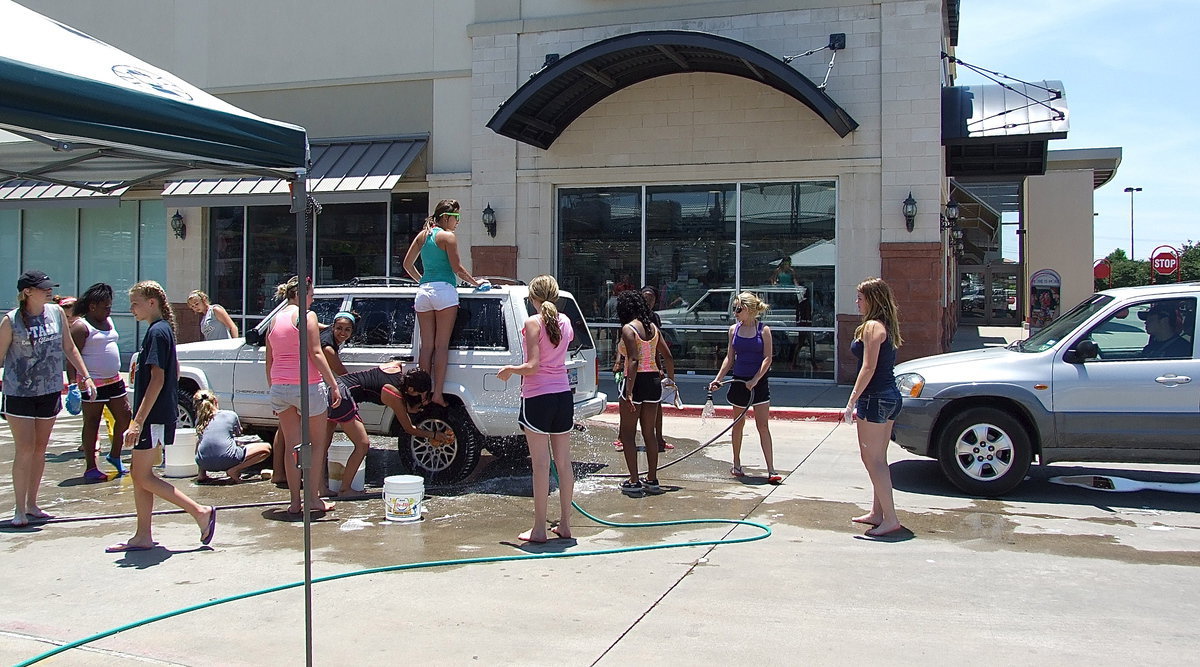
[[1047, 574]]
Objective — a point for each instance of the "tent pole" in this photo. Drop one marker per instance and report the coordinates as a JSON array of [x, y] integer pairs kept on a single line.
[[300, 208]]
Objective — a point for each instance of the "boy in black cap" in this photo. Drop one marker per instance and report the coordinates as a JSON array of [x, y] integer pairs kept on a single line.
[[1164, 324]]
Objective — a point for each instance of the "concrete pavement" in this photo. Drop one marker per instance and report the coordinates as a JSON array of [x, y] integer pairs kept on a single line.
[[1047, 575]]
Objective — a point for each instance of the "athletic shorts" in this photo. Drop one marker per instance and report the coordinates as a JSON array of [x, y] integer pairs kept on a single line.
[[435, 296], [878, 408], [647, 388], [347, 410], [284, 396], [549, 414], [106, 393], [46, 406], [740, 397], [155, 435]]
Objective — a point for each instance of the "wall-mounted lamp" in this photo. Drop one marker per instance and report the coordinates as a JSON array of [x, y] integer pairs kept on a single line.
[[910, 211], [177, 225], [950, 222], [489, 220]]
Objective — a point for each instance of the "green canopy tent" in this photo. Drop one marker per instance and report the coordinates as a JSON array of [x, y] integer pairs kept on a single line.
[[99, 119]]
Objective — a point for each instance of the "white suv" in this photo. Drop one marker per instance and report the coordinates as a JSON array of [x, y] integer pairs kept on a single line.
[[482, 411]]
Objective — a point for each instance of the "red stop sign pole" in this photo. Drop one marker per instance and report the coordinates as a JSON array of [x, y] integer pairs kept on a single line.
[[1164, 261]]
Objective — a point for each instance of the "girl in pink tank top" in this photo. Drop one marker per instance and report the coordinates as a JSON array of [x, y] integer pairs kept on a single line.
[[641, 391]]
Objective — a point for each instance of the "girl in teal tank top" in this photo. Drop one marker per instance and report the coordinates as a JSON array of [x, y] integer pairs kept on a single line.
[[437, 299]]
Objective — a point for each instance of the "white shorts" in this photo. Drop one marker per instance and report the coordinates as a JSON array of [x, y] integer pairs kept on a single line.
[[435, 296]]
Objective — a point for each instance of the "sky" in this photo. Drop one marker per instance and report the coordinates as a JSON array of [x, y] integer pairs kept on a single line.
[[1129, 70]]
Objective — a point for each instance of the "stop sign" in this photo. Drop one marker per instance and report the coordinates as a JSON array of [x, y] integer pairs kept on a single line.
[[1164, 263], [1102, 270]]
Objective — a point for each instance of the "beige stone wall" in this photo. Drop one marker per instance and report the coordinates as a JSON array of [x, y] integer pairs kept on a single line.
[[1059, 235]]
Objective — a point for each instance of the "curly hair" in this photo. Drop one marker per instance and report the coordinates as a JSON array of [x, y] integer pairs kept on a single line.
[[632, 306], [98, 293]]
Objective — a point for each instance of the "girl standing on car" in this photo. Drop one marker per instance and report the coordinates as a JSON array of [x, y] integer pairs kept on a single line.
[[33, 344], [749, 356], [437, 299], [284, 356], [875, 401], [155, 384], [215, 322], [640, 345], [547, 408], [96, 337]]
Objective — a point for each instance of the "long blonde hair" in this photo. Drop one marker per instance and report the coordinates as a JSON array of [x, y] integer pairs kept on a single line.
[[150, 289], [544, 288], [881, 306], [205, 403]]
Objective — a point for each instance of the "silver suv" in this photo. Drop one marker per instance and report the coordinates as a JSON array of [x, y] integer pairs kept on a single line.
[[482, 411], [1114, 379]]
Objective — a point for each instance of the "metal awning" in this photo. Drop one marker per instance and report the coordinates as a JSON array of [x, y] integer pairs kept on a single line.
[[36, 194], [343, 171], [560, 92], [999, 131]]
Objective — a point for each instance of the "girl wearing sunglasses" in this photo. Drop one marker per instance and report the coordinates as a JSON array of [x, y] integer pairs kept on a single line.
[[437, 299]]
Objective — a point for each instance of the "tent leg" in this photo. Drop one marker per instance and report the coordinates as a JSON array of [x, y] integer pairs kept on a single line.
[[300, 208]]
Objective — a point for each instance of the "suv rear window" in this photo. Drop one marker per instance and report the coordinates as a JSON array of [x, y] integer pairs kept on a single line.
[[568, 307], [479, 326], [383, 321]]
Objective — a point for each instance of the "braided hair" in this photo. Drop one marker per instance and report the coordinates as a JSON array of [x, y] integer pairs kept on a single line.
[[150, 289]]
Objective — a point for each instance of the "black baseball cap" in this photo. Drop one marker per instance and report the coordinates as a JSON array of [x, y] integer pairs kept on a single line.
[[1160, 309], [35, 278]]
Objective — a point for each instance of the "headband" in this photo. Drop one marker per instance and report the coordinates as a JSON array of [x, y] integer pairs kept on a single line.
[[344, 314]]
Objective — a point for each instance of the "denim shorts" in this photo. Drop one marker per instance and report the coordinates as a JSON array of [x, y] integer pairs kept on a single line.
[[878, 408], [284, 396]]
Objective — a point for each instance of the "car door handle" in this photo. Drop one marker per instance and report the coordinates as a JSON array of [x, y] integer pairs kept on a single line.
[[1172, 379]]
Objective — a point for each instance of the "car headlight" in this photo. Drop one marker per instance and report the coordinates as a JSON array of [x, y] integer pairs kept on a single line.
[[910, 384]]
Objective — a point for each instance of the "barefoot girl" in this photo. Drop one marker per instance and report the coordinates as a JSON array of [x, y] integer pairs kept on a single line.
[[284, 356], [217, 448], [641, 344], [155, 384], [437, 299], [33, 344], [875, 401], [547, 408], [749, 355]]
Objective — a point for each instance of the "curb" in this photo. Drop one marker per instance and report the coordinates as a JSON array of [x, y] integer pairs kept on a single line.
[[727, 412]]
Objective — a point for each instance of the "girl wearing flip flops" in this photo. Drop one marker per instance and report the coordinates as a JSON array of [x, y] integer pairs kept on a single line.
[[875, 401], [749, 356], [547, 409], [155, 384]]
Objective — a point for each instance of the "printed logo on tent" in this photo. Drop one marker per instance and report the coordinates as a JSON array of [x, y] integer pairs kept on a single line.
[[142, 77]]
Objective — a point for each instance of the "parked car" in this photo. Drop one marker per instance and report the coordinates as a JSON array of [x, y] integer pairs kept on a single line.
[[482, 411], [716, 306], [1087, 387]]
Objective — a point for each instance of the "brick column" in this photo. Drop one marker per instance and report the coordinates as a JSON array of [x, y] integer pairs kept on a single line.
[[914, 271], [494, 260]]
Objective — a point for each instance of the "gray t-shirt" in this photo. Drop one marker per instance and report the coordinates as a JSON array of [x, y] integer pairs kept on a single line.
[[211, 327], [34, 363]]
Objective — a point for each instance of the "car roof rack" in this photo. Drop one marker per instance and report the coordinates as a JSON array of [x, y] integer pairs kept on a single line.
[[384, 281], [501, 280]]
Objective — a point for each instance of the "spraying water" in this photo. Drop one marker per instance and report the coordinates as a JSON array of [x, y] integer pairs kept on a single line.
[[708, 411]]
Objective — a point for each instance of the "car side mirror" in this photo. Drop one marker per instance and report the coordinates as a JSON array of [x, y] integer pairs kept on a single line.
[[1086, 349]]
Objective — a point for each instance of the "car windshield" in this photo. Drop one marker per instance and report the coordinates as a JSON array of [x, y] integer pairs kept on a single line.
[[1063, 326]]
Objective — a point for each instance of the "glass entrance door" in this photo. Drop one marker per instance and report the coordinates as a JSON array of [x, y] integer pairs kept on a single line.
[[989, 295]]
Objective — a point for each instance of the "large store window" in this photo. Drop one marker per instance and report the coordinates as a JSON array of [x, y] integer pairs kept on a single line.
[[408, 215], [698, 246], [349, 240]]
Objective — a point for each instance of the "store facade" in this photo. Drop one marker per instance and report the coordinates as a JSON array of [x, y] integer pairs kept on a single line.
[[705, 160]]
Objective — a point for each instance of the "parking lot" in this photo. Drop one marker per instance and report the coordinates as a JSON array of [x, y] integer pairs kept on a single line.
[[1049, 574]]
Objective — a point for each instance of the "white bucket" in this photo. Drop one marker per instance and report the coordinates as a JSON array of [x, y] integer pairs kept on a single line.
[[179, 459], [402, 495], [339, 454]]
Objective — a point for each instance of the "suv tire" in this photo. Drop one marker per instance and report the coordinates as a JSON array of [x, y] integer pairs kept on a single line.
[[984, 451], [185, 408], [442, 464], [508, 447]]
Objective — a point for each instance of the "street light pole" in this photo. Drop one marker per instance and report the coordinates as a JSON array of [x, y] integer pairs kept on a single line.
[[1131, 191]]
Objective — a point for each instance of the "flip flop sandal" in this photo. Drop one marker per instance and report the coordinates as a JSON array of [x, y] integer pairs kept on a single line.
[[737, 471], [619, 447], [775, 479]]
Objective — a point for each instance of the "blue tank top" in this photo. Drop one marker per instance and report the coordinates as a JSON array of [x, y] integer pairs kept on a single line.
[[883, 381], [435, 265], [747, 352]]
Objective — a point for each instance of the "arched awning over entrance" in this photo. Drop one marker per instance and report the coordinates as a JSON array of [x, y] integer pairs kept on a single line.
[[562, 91]]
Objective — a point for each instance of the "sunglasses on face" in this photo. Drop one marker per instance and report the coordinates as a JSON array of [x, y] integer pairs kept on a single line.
[[738, 309], [454, 215]]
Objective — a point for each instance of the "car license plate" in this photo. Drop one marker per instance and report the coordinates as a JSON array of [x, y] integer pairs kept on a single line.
[[573, 378]]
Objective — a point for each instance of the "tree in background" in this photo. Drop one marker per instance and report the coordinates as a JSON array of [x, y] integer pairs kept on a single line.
[[1130, 273]]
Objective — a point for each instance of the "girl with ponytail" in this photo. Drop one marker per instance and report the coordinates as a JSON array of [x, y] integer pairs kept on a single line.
[[547, 408], [217, 448]]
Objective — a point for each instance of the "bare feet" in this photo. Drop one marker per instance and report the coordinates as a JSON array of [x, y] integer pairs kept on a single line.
[[562, 531], [536, 537], [885, 529], [349, 492], [323, 506], [327, 493], [19, 519], [38, 513], [869, 518]]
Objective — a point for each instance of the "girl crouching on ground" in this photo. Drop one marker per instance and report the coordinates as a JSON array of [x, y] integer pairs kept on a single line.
[[217, 448]]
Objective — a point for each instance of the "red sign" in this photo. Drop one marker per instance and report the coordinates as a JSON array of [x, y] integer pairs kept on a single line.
[[1165, 263], [1102, 270]]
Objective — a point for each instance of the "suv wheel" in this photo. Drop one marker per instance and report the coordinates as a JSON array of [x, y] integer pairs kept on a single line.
[[446, 463], [184, 409], [984, 451], [508, 447]]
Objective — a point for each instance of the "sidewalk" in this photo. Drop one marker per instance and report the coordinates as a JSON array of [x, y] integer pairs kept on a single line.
[[806, 399]]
